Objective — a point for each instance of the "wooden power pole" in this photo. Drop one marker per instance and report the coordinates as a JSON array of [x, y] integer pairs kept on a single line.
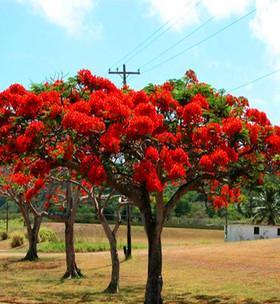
[[128, 227], [124, 73]]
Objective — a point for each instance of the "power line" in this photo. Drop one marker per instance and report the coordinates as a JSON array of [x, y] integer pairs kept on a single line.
[[147, 45], [254, 80], [135, 51], [155, 39], [139, 45], [201, 41], [178, 42]]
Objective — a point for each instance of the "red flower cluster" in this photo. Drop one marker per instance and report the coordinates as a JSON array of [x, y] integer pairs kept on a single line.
[[111, 140], [20, 179], [258, 117], [23, 143], [163, 99], [227, 195], [175, 162], [207, 135], [273, 142], [140, 126], [191, 75], [192, 112], [82, 123], [38, 185], [145, 172], [29, 105], [152, 154], [95, 83], [219, 157], [34, 129], [254, 131], [232, 126], [97, 174]]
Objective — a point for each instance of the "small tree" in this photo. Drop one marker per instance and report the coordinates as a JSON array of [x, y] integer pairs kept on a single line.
[[14, 185], [101, 198], [61, 205]]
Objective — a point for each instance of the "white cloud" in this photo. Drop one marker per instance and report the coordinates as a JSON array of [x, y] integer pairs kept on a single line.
[[179, 13], [182, 13], [226, 8], [68, 14], [266, 25]]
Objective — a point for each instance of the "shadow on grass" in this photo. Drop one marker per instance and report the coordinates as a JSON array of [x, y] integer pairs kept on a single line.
[[188, 298]]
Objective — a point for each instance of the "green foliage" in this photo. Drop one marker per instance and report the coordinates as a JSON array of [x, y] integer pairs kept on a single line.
[[262, 202], [184, 94], [47, 235], [17, 239], [81, 246], [14, 224]]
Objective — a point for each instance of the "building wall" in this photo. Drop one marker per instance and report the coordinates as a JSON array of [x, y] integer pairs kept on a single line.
[[241, 232]]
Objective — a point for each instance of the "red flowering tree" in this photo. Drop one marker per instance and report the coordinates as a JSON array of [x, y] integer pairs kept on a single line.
[[183, 133], [61, 202], [18, 187], [101, 198]]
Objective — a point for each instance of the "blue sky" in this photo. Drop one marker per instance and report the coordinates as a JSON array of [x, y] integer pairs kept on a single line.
[[41, 38]]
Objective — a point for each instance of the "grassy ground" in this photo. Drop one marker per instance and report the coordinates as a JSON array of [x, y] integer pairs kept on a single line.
[[198, 268]]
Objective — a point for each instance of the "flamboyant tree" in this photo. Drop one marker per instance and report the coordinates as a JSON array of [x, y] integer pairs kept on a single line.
[[17, 186], [101, 197], [183, 133], [61, 204]]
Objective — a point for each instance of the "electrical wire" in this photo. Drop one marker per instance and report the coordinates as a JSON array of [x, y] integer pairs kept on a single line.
[[139, 45], [201, 41], [135, 51], [178, 42], [155, 39], [254, 80]]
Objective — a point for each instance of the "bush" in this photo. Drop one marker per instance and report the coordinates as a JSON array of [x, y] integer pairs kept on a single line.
[[47, 235], [4, 236], [17, 240], [81, 246]]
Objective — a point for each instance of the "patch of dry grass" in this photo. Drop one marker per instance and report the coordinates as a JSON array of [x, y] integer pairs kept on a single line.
[[198, 268]]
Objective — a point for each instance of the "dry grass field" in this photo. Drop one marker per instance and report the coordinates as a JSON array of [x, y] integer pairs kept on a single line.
[[198, 268]]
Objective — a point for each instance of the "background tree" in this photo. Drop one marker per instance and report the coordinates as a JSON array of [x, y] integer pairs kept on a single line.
[[61, 205], [102, 198], [266, 202], [17, 187]]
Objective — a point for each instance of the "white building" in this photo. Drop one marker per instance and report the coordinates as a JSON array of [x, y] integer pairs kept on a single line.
[[244, 232]]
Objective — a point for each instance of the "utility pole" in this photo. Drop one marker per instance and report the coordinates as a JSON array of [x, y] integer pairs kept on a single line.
[[128, 225], [7, 216], [124, 74]]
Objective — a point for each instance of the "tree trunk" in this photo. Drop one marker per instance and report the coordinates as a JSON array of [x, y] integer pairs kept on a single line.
[[32, 232], [154, 281], [113, 286], [33, 240], [72, 270]]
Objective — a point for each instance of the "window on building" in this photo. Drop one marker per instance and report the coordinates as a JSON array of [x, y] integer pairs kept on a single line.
[[278, 231], [257, 230]]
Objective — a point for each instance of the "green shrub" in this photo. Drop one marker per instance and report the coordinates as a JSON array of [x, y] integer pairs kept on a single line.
[[3, 236], [17, 240], [81, 246], [47, 235]]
